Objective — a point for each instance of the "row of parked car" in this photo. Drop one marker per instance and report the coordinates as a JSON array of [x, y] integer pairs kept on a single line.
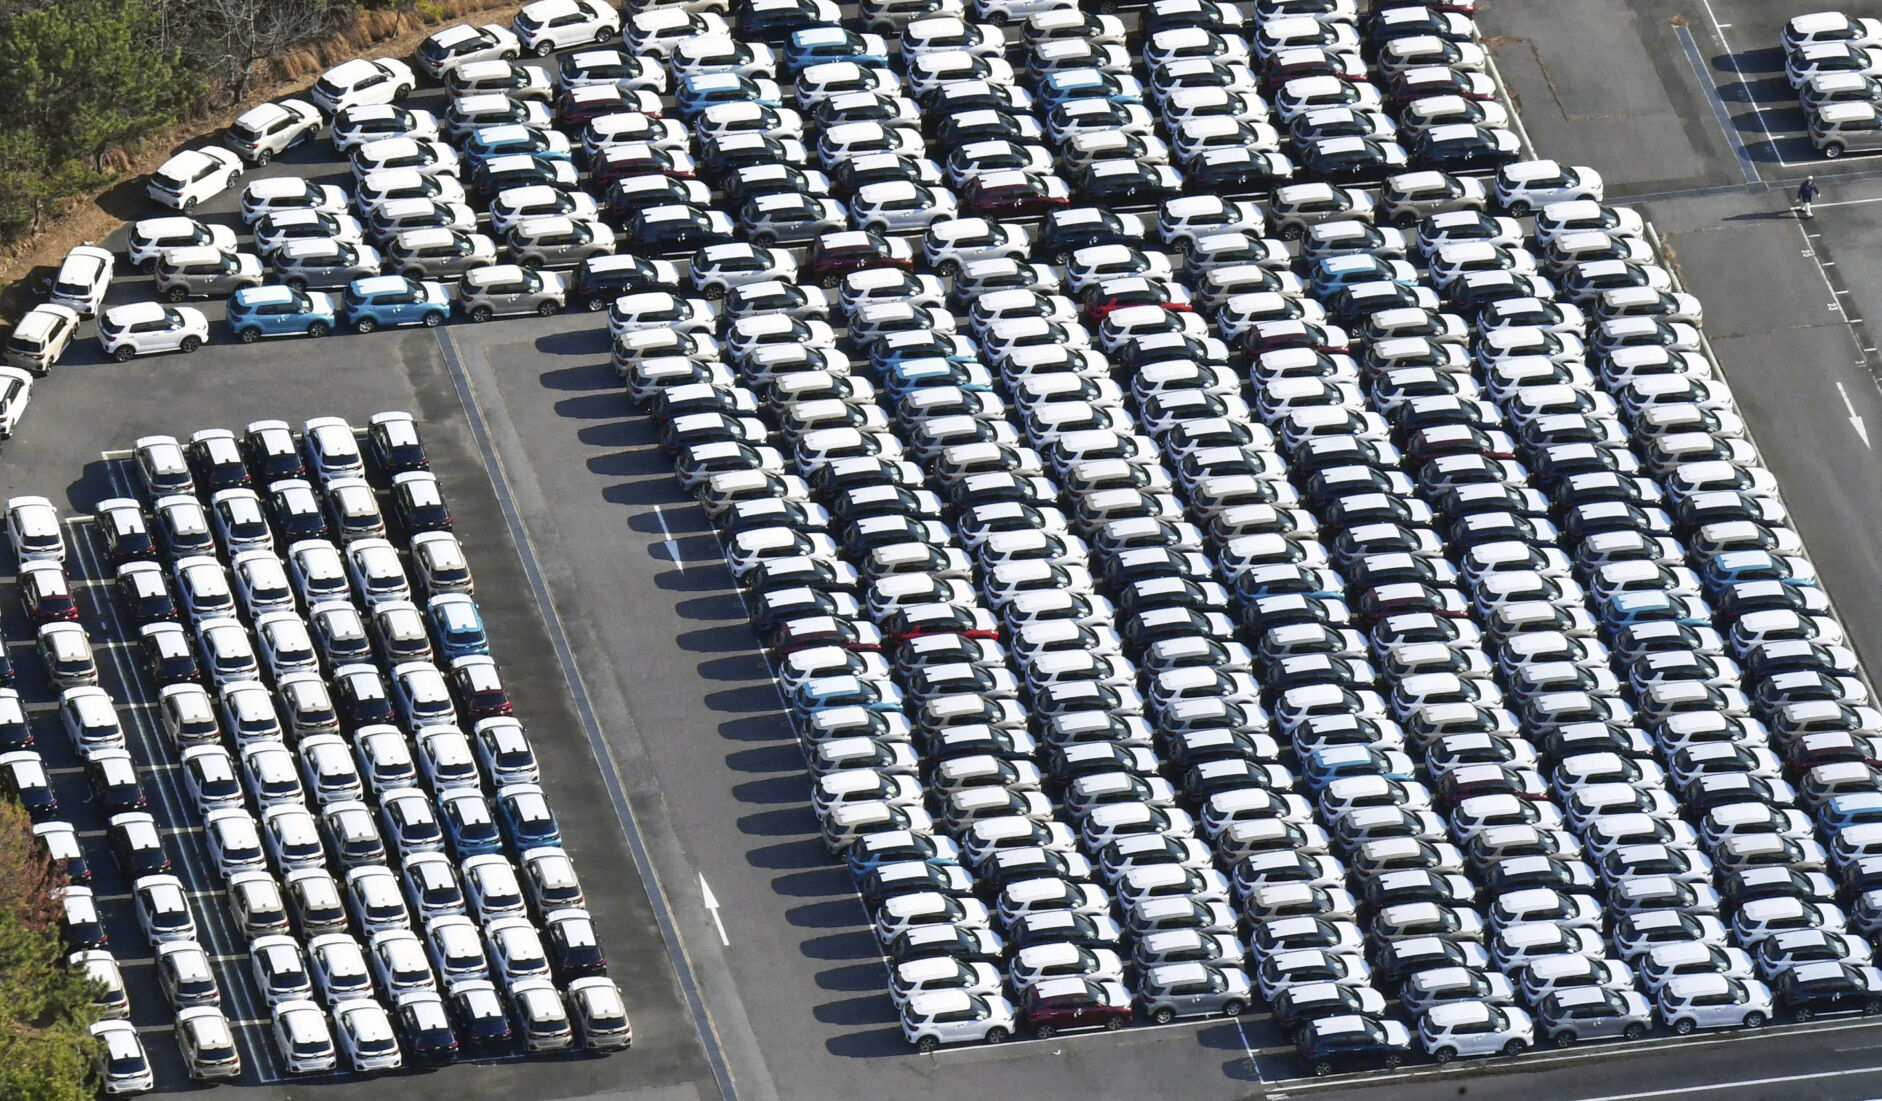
[[1834, 61], [1482, 665], [297, 688]]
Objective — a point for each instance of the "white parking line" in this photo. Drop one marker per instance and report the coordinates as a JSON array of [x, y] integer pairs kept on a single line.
[[1744, 1083], [1718, 29]]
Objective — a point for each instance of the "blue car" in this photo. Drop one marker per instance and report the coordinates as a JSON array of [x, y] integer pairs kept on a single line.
[[1331, 273], [486, 142], [1856, 808], [389, 301], [703, 90], [469, 826], [1063, 87], [456, 626], [527, 822], [901, 347], [909, 375], [1623, 610], [893, 847], [816, 45], [1323, 766], [255, 312], [1722, 571], [821, 692]]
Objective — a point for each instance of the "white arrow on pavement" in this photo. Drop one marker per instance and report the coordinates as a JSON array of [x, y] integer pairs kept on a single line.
[[1855, 421], [711, 902]]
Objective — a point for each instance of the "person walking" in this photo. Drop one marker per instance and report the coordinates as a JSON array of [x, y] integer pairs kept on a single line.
[[1807, 194]]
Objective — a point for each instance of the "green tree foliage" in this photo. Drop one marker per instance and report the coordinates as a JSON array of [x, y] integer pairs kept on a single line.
[[87, 76], [45, 1007]]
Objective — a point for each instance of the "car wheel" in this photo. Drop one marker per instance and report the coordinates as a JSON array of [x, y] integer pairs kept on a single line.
[[996, 1035], [433, 320], [764, 240], [319, 328], [876, 227], [1754, 1020], [927, 1045], [714, 292], [1564, 1039], [189, 206], [299, 285], [482, 313], [548, 308], [1322, 1069], [529, 263], [1045, 1032], [148, 266], [176, 294], [249, 336], [191, 343], [1444, 1055], [124, 354], [1114, 1024], [1633, 1032], [831, 282], [1832, 151], [1164, 1015], [1392, 1062], [1802, 1013], [1233, 1009], [947, 269], [545, 48], [1514, 1048], [597, 304], [1292, 232], [1683, 1026], [365, 325], [1518, 208]]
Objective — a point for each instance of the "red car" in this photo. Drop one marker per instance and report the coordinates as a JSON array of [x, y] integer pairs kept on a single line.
[[618, 162], [1014, 193], [46, 594], [834, 255], [1055, 1005], [1115, 294], [479, 688]]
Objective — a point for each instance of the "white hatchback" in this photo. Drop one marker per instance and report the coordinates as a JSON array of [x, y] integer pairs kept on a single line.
[[147, 328]]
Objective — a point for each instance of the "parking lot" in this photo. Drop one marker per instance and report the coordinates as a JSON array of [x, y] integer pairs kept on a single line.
[[628, 649]]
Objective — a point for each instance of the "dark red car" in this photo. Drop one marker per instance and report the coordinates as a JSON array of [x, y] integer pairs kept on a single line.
[[1055, 1005], [1013, 193], [834, 255], [46, 594], [1116, 294], [479, 688]]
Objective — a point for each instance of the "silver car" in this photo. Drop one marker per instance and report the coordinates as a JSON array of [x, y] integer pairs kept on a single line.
[[510, 289], [1592, 1013], [558, 241], [204, 271], [1193, 990], [428, 253], [324, 264], [1714, 1001]]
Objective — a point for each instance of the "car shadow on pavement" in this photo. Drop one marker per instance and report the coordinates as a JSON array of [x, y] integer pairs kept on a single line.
[[783, 762], [585, 341], [785, 790], [745, 698], [854, 978], [721, 604], [797, 854], [821, 883], [876, 1043], [717, 640], [738, 668], [756, 728], [588, 376], [589, 407], [781, 822], [94, 484], [856, 944]]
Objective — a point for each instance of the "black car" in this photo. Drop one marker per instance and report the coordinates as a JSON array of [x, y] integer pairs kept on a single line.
[[392, 442], [7, 677], [269, 450], [1352, 1042], [215, 458], [294, 510], [418, 506], [925, 942], [504, 173], [852, 174], [139, 852], [361, 699], [1063, 232], [957, 130], [1463, 149], [425, 1032], [573, 950], [27, 783], [1812, 989], [602, 279], [1120, 181], [720, 157], [774, 22], [127, 535], [145, 596], [764, 179], [1163, 15], [675, 230], [169, 657], [114, 786], [1236, 172], [1351, 160], [478, 1018]]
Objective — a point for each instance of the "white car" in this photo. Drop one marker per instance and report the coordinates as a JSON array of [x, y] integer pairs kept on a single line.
[[262, 133], [122, 1065], [163, 910], [1532, 185], [1713, 1001], [84, 276], [365, 1034], [147, 328], [275, 194], [305, 1041], [207, 1044], [546, 26], [149, 238], [453, 46], [193, 176], [1474, 1028], [16, 389], [369, 122], [33, 530], [956, 1017], [362, 80]]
